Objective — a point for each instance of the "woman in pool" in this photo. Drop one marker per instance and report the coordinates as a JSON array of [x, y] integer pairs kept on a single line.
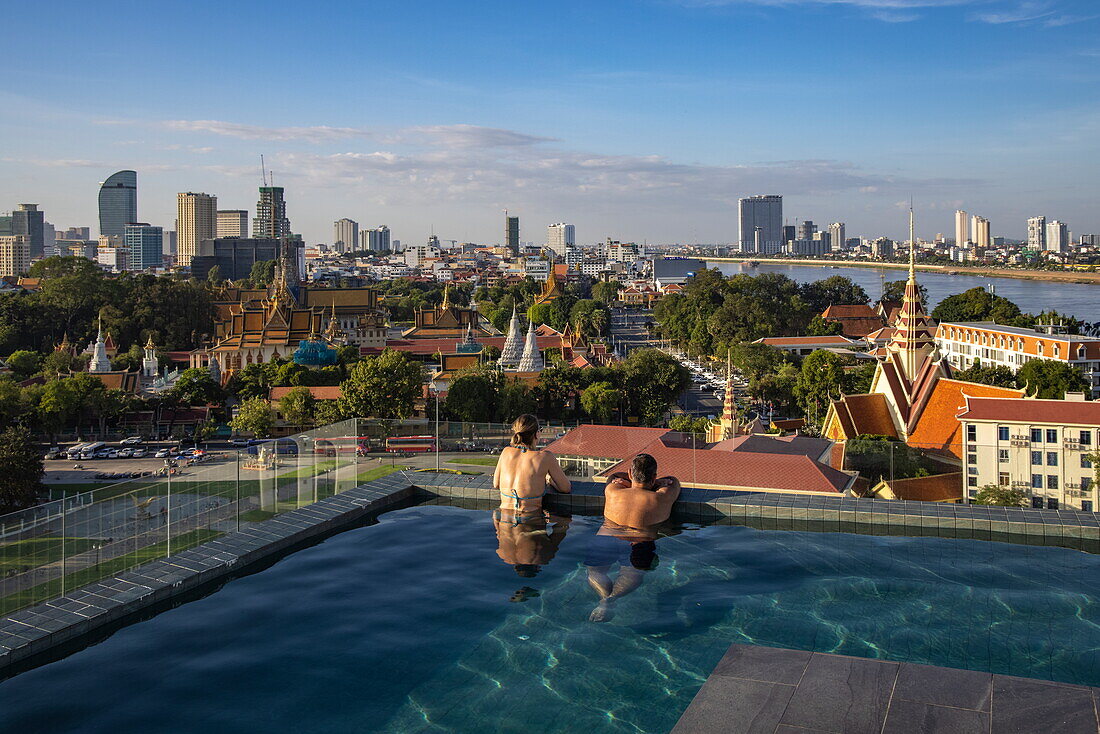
[[522, 470]]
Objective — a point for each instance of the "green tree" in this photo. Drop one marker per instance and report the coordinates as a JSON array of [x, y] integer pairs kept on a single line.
[[992, 494], [835, 290], [756, 360], [1050, 379], [23, 363], [298, 407], [21, 470], [606, 291], [472, 397], [776, 388], [328, 412], [196, 387], [884, 457], [818, 383], [254, 416], [541, 313], [601, 400], [263, 272], [656, 380], [13, 406], [997, 375], [823, 327], [253, 381], [385, 386], [687, 424], [515, 399], [976, 304], [214, 277]]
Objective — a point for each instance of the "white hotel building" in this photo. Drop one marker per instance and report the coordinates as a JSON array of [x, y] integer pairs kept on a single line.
[[964, 343], [1040, 447]]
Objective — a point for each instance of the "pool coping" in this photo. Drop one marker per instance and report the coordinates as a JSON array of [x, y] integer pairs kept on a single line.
[[34, 632], [768, 689]]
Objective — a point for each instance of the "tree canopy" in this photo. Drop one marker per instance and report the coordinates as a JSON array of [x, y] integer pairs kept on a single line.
[[385, 387], [21, 470]]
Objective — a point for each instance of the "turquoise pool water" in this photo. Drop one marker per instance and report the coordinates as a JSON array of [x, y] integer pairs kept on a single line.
[[408, 626]]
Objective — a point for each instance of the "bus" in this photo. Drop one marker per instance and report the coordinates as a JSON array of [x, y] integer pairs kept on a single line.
[[334, 445], [410, 444]]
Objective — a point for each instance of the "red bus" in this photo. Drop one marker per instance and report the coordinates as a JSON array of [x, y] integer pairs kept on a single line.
[[334, 445], [411, 444]]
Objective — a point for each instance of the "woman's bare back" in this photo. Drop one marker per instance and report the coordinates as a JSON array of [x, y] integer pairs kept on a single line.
[[521, 477]]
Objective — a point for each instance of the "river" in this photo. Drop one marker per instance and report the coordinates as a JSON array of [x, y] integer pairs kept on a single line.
[[1032, 296]]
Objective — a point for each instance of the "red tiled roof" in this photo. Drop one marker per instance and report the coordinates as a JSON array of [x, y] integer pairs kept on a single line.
[[447, 345], [324, 392], [849, 311], [1028, 410], [855, 320], [790, 445], [605, 441], [864, 414]]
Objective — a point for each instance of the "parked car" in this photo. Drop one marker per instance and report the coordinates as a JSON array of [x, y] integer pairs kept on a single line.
[[138, 453], [54, 452], [163, 454], [238, 442], [112, 454], [103, 454], [124, 453], [131, 441]]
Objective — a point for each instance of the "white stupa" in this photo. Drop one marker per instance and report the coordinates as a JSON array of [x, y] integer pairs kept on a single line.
[[531, 361], [512, 351], [100, 361]]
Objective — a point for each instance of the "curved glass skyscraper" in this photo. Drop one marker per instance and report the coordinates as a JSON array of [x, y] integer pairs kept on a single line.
[[117, 203]]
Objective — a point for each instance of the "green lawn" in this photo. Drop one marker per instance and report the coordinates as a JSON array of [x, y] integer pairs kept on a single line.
[[51, 589], [312, 470], [476, 460], [39, 551], [256, 515]]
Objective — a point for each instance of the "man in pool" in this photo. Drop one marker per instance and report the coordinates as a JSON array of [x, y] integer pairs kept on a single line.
[[634, 505]]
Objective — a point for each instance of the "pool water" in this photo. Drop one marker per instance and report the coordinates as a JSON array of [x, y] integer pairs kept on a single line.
[[408, 625]]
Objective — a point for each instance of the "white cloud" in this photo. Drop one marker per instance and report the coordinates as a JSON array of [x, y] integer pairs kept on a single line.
[[995, 12], [315, 134]]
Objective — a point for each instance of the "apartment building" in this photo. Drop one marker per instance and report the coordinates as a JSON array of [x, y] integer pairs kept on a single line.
[[964, 343], [15, 254], [1041, 447]]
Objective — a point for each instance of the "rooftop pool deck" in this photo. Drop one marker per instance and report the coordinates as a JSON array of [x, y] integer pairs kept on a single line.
[[754, 687]]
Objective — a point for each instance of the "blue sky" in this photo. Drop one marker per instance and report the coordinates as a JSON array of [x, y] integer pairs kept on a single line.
[[634, 119]]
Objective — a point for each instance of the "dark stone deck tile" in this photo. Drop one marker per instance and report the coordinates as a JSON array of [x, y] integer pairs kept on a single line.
[[735, 706], [767, 664], [912, 717], [964, 689], [837, 693], [1025, 706], [786, 729]]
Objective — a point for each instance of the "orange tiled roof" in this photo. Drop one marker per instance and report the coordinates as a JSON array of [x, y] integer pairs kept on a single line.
[[938, 488], [864, 414], [937, 428], [1063, 412], [856, 320], [605, 441]]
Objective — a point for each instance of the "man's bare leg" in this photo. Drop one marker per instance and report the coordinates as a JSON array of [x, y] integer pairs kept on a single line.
[[628, 580], [600, 582]]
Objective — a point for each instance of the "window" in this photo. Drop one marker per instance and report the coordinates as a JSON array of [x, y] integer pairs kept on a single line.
[[1085, 463], [1036, 481], [1002, 433], [1086, 438], [1036, 435], [1002, 479], [972, 481], [1052, 481], [1002, 456], [1037, 502], [1052, 435], [1052, 458], [1086, 505], [971, 458], [972, 493], [1036, 458], [1052, 504], [971, 433], [1086, 484]]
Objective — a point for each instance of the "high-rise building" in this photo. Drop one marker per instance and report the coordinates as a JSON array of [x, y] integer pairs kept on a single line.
[[962, 233], [790, 233], [232, 223], [345, 234], [117, 202], [560, 237], [1037, 233], [15, 254], [979, 232], [144, 245], [760, 223], [75, 233], [234, 256], [1057, 236], [169, 244], [837, 235], [511, 233], [1090, 240], [270, 221], [376, 240], [806, 230], [27, 220], [196, 220]]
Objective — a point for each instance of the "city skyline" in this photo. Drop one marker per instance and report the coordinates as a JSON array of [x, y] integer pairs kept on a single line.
[[641, 140]]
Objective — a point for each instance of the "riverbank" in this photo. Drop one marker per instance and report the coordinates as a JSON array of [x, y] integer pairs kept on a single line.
[[1044, 275]]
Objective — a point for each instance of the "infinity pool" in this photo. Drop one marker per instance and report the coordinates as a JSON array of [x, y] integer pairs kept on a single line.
[[415, 624]]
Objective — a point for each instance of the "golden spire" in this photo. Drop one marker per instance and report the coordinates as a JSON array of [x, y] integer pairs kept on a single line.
[[446, 296], [149, 342], [912, 247]]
